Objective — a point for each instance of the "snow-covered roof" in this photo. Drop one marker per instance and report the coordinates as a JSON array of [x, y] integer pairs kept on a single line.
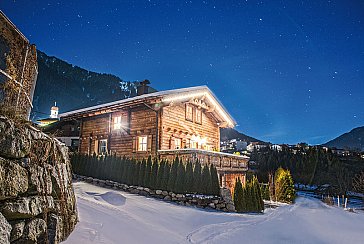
[[165, 96]]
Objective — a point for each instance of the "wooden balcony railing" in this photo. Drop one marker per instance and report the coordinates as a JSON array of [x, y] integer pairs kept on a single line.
[[222, 161]]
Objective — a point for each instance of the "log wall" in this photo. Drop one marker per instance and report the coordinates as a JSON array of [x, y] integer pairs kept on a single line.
[[175, 125]]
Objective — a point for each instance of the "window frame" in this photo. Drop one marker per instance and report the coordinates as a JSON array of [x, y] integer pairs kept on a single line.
[[117, 123], [100, 147], [177, 143], [141, 143], [198, 120], [187, 114]]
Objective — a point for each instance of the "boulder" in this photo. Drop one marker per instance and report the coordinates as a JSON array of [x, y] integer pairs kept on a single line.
[[13, 179], [212, 205], [15, 141], [5, 230], [40, 180], [158, 192], [165, 193], [230, 207], [55, 228], [167, 198], [34, 231], [26, 207], [17, 231]]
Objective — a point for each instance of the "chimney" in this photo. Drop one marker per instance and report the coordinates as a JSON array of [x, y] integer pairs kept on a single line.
[[143, 87]]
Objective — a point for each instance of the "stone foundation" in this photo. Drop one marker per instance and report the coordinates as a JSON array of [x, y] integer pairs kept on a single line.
[[223, 203], [37, 202]]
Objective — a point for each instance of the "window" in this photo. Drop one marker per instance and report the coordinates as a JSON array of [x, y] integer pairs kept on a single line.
[[142, 143], [189, 112], [194, 144], [102, 147], [117, 123], [198, 118], [177, 143]]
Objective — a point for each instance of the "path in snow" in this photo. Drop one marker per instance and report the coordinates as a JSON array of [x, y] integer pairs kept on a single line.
[[110, 216]]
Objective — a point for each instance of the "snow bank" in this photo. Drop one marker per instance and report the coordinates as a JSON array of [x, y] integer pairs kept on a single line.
[[110, 216]]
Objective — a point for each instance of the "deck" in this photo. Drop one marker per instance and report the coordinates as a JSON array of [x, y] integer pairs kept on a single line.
[[229, 166]]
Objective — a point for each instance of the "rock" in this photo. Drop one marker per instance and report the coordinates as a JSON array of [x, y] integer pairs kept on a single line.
[[221, 205], [34, 231], [230, 207], [55, 228], [180, 196], [13, 179], [89, 179], [215, 201], [167, 198], [15, 141], [17, 231], [158, 192], [40, 180], [26, 207], [165, 193], [5, 230], [139, 188]]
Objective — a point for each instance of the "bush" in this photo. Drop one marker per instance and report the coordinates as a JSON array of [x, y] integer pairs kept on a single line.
[[178, 177], [283, 186]]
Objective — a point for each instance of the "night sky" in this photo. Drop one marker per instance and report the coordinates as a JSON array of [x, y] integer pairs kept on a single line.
[[287, 71]]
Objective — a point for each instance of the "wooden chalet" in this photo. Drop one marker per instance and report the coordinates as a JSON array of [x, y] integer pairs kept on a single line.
[[184, 122]]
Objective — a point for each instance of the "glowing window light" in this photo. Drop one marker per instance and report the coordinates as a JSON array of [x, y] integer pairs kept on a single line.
[[117, 123]]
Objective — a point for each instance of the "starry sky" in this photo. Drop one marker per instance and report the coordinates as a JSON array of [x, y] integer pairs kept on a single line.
[[287, 71]]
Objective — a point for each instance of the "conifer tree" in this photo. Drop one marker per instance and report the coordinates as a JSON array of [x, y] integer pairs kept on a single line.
[[166, 175], [181, 178], [129, 175], [189, 177], [154, 175], [238, 197], [215, 185], [173, 175], [142, 170], [148, 172], [159, 182], [197, 178], [284, 186], [206, 181]]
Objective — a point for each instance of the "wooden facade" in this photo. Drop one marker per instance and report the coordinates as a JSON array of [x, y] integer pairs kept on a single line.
[[184, 122]]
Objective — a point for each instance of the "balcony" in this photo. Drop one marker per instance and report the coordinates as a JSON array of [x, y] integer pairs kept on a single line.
[[224, 162]]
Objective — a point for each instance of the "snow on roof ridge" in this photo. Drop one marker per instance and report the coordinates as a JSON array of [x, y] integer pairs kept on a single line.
[[154, 94]]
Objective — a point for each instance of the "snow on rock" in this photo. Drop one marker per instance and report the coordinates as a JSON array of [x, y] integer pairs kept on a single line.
[[110, 216]]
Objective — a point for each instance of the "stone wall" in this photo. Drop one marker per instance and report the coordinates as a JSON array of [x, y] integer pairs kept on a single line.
[[37, 202], [18, 69], [223, 203]]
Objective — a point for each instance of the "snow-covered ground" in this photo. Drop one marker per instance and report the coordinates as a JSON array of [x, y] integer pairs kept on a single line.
[[110, 216]]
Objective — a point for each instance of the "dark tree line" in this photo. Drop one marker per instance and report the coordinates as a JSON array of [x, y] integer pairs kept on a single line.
[[312, 165], [176, 176]]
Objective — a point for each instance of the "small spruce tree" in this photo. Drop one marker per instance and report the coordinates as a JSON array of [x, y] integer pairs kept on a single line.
[[181, 178], [189, 177], [238, 197], [197, 178]]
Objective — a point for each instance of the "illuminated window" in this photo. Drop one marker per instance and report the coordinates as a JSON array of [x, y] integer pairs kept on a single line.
[[102, 147], [142, 143], [177, 143], [189, 112], [198, 118], [194, 144], [117, 123]]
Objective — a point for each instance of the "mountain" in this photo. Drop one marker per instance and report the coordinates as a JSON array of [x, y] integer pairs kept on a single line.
[[229, 133], [73, 87], [353, 140]]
